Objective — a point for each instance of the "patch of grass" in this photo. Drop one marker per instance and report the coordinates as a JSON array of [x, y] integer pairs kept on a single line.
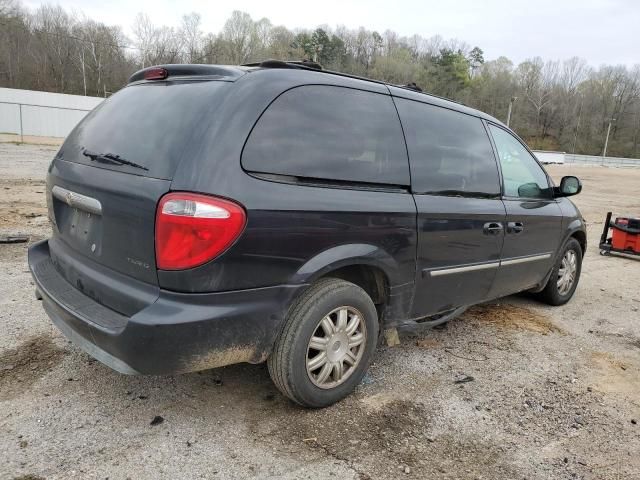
[[505, 316]]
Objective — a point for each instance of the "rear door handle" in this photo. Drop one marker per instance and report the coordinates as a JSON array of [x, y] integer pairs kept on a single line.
[[515, 227], [492, 228]]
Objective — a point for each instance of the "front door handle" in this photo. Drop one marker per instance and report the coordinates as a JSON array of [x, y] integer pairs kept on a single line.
[[492, 228], [515, 227]]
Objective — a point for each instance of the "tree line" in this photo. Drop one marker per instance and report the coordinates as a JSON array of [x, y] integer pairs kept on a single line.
[[556, 105]]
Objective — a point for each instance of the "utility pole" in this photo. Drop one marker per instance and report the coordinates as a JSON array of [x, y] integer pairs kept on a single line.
[[513, 99], [606, 141]]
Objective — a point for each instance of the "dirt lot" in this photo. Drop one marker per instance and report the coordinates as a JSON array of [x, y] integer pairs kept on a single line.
[[512, 390]]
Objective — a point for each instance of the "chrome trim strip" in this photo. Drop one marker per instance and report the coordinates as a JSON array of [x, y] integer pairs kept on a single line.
[[77, 200], [532, 258], [485, 266], [466, 268]]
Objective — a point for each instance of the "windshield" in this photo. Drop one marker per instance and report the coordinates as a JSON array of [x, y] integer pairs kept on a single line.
[[144, 129]]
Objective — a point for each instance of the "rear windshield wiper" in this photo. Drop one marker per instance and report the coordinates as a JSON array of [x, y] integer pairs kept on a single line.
[[111, 159]]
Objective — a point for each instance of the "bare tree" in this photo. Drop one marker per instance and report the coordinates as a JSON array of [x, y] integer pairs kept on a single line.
[[237, 33], [537, 80], [192, 37], [561, 105]]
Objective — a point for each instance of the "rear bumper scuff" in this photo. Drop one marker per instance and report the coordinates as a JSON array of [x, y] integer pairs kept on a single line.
[[179, 332]]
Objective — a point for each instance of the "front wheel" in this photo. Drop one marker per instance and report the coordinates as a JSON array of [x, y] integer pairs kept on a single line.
[[565, 275], [327, 343]]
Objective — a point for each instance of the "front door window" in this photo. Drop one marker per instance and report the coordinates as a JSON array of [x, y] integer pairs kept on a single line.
[[522, 175]]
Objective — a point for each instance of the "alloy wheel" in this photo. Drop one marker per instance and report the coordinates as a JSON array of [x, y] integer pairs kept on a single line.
[[567, 272], [336, 347]]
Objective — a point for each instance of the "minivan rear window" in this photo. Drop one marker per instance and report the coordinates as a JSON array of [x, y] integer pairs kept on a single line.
[[330, 133], [149, 125]]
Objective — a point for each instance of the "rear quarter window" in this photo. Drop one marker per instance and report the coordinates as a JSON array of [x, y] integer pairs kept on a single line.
[[330, 133]]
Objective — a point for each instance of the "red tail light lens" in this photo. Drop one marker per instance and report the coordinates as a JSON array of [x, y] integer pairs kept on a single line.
[[192, 229]]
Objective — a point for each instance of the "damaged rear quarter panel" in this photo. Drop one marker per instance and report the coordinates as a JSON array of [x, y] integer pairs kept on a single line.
[[213, 330]]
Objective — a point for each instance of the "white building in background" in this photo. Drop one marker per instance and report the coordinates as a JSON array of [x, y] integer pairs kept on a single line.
[[41, 117], [549, 157]]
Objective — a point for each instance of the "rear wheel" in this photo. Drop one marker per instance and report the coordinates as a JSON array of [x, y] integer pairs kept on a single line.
[[565, 275], [326, 345]]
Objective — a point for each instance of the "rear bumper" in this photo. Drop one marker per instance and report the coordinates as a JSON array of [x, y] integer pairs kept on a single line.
[[178, 332]]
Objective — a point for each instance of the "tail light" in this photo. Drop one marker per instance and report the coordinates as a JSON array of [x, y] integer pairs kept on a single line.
[[156, 73], [192, 229]]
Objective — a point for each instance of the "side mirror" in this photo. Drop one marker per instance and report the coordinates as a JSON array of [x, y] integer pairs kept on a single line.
[[569, 186], [530, 190]]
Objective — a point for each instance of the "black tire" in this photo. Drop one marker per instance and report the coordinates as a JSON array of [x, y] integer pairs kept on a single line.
[[551, 294], [288, 361]]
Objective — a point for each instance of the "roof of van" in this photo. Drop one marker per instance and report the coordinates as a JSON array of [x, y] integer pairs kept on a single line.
[[234, 72]]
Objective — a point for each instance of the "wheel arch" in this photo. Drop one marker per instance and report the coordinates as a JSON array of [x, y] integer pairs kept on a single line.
[[581, 236], [576, 230], [347, 255], [371, 268]]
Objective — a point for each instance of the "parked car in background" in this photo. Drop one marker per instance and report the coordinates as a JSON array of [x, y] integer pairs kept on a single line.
[[208, 215]]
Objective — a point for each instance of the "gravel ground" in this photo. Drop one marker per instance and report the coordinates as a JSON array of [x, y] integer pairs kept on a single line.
[[512, 389]]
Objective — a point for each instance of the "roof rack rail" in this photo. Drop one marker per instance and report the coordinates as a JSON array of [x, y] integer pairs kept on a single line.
[[309, 65], [412, 86], [415, 88], [306, 64]]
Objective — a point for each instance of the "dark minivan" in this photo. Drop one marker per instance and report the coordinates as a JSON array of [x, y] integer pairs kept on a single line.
[[209, 215]]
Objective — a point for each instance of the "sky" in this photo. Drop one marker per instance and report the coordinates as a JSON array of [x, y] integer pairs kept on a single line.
[[600, 31]]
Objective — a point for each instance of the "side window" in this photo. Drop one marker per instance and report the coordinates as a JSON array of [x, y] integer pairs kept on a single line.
[[333, 133], [450, 152], [522, 175]]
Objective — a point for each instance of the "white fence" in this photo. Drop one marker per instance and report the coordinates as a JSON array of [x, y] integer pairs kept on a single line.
[[549, 157], [562, 157], [607, 161], [41, 117]]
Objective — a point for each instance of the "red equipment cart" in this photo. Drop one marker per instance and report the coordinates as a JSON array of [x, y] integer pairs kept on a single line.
[[625, 236]]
